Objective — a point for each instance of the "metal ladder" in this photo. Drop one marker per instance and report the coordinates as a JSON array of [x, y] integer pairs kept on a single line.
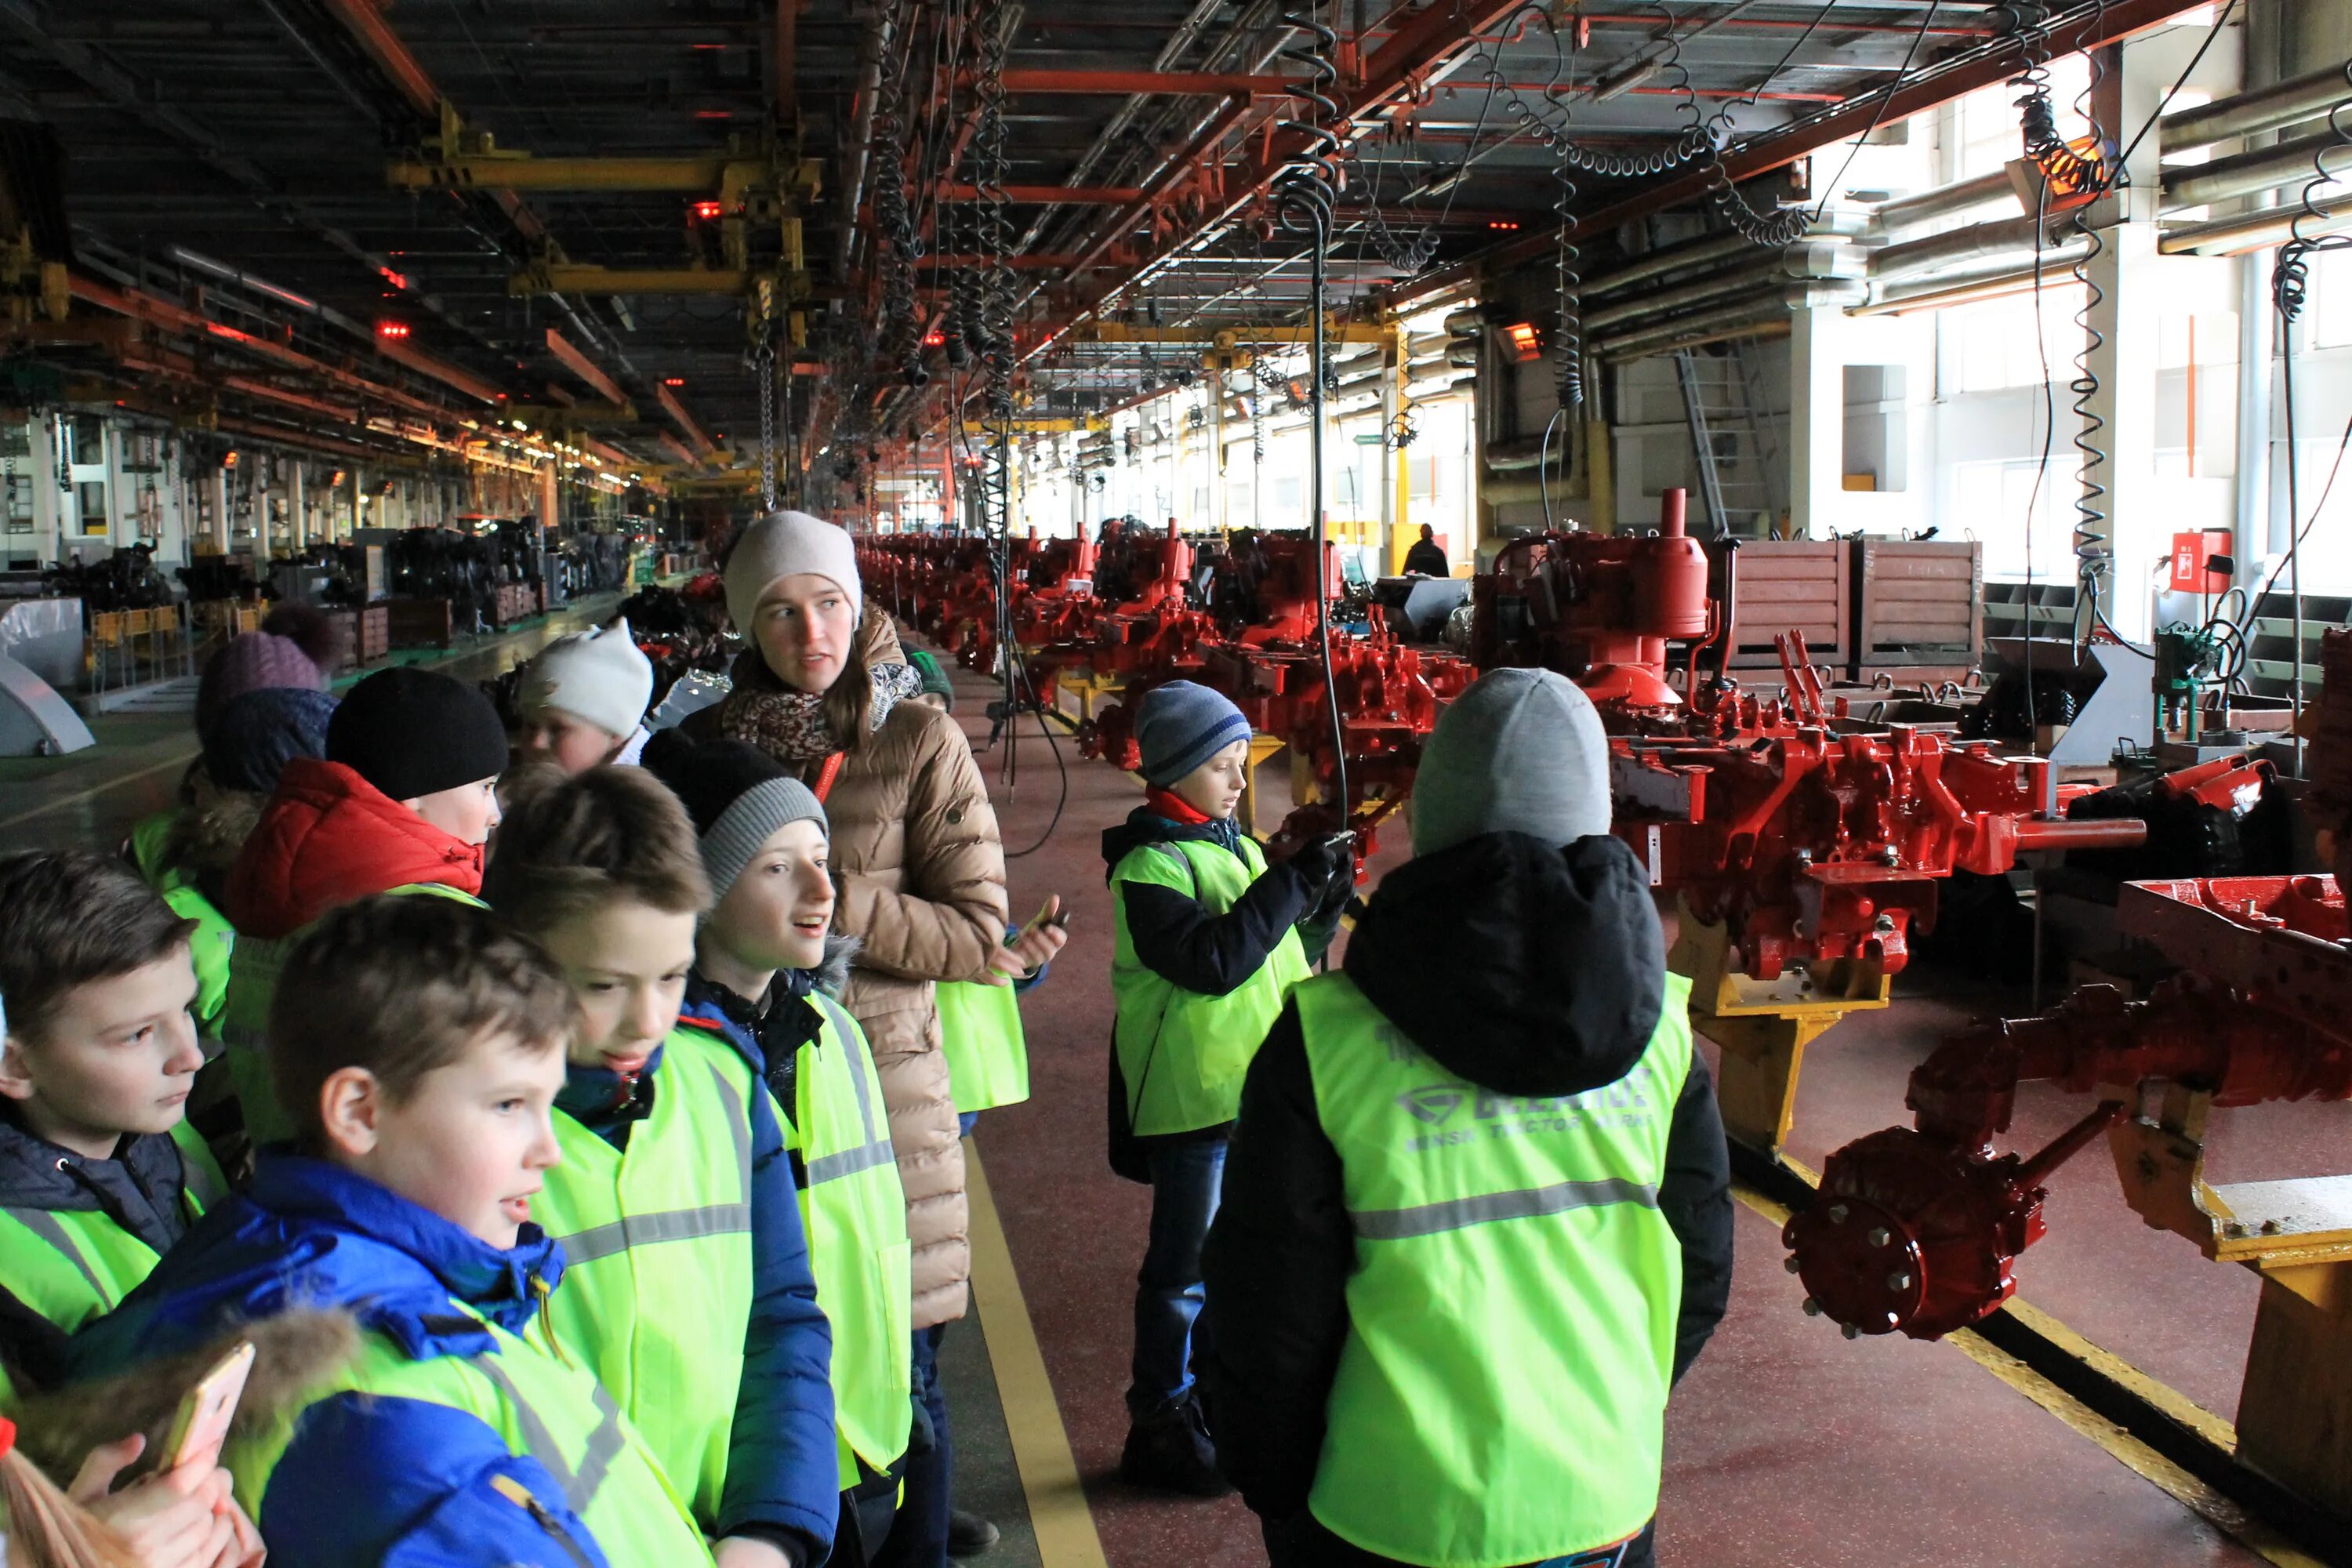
[[1732, 445]]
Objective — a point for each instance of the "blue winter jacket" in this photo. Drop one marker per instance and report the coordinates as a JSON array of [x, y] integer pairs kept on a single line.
[[364, 1480], [781, 1480]]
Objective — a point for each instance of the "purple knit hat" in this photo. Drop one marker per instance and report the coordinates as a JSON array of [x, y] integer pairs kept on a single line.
[[252, 662]]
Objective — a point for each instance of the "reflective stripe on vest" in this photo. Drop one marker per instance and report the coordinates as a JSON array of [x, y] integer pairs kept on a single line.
[[555, 1412], [71, 1264], [1182, 1053], [1501, 1393], [855, 1212], [657, 1282], [254, 967], [986, 1051]]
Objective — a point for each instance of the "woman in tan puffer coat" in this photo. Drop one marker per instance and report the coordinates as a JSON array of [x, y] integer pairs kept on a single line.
[[916, 857]]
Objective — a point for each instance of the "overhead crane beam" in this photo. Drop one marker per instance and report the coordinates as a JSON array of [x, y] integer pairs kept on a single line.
[[567, 277], [685, 175], [442, 371], [1168, 84]]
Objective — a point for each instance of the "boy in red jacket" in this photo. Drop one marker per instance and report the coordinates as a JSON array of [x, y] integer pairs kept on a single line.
[[402, 802]]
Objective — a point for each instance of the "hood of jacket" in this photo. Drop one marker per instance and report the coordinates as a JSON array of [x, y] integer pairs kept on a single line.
[[1144, 825], [206, 837], [1525, 969], [328, 837], [312, 1235], [138, 1189]]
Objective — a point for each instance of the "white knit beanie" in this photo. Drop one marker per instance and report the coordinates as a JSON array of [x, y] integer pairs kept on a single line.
[[599, 677], [782, 544]]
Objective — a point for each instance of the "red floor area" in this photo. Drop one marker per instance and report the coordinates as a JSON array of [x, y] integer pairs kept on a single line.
[[1788, 1446]]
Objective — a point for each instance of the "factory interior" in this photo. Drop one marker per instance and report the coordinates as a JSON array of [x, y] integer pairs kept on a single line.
[[1914, 426]]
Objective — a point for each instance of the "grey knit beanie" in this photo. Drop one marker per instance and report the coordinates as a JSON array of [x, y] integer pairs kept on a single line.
[[737, 794], [783, 544], [1521, 752], [1181, 726]]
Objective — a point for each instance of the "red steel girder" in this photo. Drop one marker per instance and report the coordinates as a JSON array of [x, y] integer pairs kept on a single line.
[[586, 369], [365, 20], [2088, 28], [1393, 72], [702, 444], [178, 318], [442, 371]]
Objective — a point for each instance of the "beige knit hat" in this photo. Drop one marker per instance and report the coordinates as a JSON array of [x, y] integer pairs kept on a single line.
[[783, 544]]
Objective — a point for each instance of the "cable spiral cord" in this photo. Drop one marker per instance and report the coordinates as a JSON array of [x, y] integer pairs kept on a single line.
[[893, 217]]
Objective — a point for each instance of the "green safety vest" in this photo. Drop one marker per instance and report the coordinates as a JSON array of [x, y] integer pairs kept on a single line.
[[210, 945], [855, 1215], [657, 1277], [71, 1266], [1502, 1393], [1183, 1055], [981, 1035], [245, 1019], [540, 1404]]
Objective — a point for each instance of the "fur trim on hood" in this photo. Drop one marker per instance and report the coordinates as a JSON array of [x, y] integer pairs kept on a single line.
[[832, 974], [206, 837], [294, 1355]]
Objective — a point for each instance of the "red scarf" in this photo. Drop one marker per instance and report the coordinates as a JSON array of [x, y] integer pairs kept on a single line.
[[1175, 807]]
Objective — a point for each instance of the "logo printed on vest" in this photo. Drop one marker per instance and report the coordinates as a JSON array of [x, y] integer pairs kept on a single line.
[[1622, 1104]]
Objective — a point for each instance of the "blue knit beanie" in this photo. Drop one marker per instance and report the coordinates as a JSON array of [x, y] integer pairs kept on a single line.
[[1181, 726], [256, 735]]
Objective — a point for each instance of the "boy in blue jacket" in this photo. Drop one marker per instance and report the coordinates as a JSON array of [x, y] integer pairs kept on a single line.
[[690, 1291], [418, 1046]]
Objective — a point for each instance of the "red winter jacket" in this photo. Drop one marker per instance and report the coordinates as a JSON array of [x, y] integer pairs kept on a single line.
[[328, 837]]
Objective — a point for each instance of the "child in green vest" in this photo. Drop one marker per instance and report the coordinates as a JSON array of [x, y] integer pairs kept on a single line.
[[98, 1174], [765, 975], [419, 1044], [689, 1289], [1479, 1217], [1209, 939]]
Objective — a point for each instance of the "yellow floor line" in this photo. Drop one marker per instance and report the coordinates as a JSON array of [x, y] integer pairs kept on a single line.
[[2134, 1455], [1041, 1445]]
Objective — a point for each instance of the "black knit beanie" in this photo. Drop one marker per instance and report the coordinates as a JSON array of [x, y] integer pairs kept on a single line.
[[737, 794], [414, 732]]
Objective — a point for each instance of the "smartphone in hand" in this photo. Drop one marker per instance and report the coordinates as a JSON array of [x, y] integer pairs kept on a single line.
[[201, 1425]]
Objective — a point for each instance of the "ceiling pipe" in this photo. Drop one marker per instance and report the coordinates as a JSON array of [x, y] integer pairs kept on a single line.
[[1891, 219], [1673, 259], [2285, 103], [2264, 169], [2236, 235], [1715, 286], [1916, 256]]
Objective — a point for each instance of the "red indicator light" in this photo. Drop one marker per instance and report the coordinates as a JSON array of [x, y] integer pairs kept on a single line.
[[673, 381], [391, 331], [708, 211]]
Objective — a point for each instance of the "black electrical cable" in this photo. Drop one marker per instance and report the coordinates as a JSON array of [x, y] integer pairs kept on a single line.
[[1885, 97], [1306, 190], [2220, 22]]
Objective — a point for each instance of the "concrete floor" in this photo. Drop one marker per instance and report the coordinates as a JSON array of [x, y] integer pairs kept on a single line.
[[1787, 1447]]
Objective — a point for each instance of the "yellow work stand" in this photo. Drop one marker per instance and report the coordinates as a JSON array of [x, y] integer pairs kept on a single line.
[[1089, 692], [1763, 1026]]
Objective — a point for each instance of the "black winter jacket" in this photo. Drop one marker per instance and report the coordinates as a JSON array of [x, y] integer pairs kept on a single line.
[[1528, 970], [140, 1189]]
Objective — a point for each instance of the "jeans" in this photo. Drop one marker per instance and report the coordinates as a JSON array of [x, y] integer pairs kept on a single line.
[[1302, 1541], [918, 1535], [1186, 1178]]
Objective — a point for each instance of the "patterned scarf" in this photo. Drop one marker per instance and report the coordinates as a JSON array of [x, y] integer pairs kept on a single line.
[[788, 725]]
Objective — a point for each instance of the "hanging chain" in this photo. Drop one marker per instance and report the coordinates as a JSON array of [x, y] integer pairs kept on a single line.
[[763, 362]]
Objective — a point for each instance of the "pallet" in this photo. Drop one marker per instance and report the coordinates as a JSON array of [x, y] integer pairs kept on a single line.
[[1917, 602], [1801, 585]]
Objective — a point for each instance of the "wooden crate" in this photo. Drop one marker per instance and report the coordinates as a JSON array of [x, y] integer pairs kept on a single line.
[[514, 601], [1801, 585], [1917, 602], [375, 633], [418, 623]]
